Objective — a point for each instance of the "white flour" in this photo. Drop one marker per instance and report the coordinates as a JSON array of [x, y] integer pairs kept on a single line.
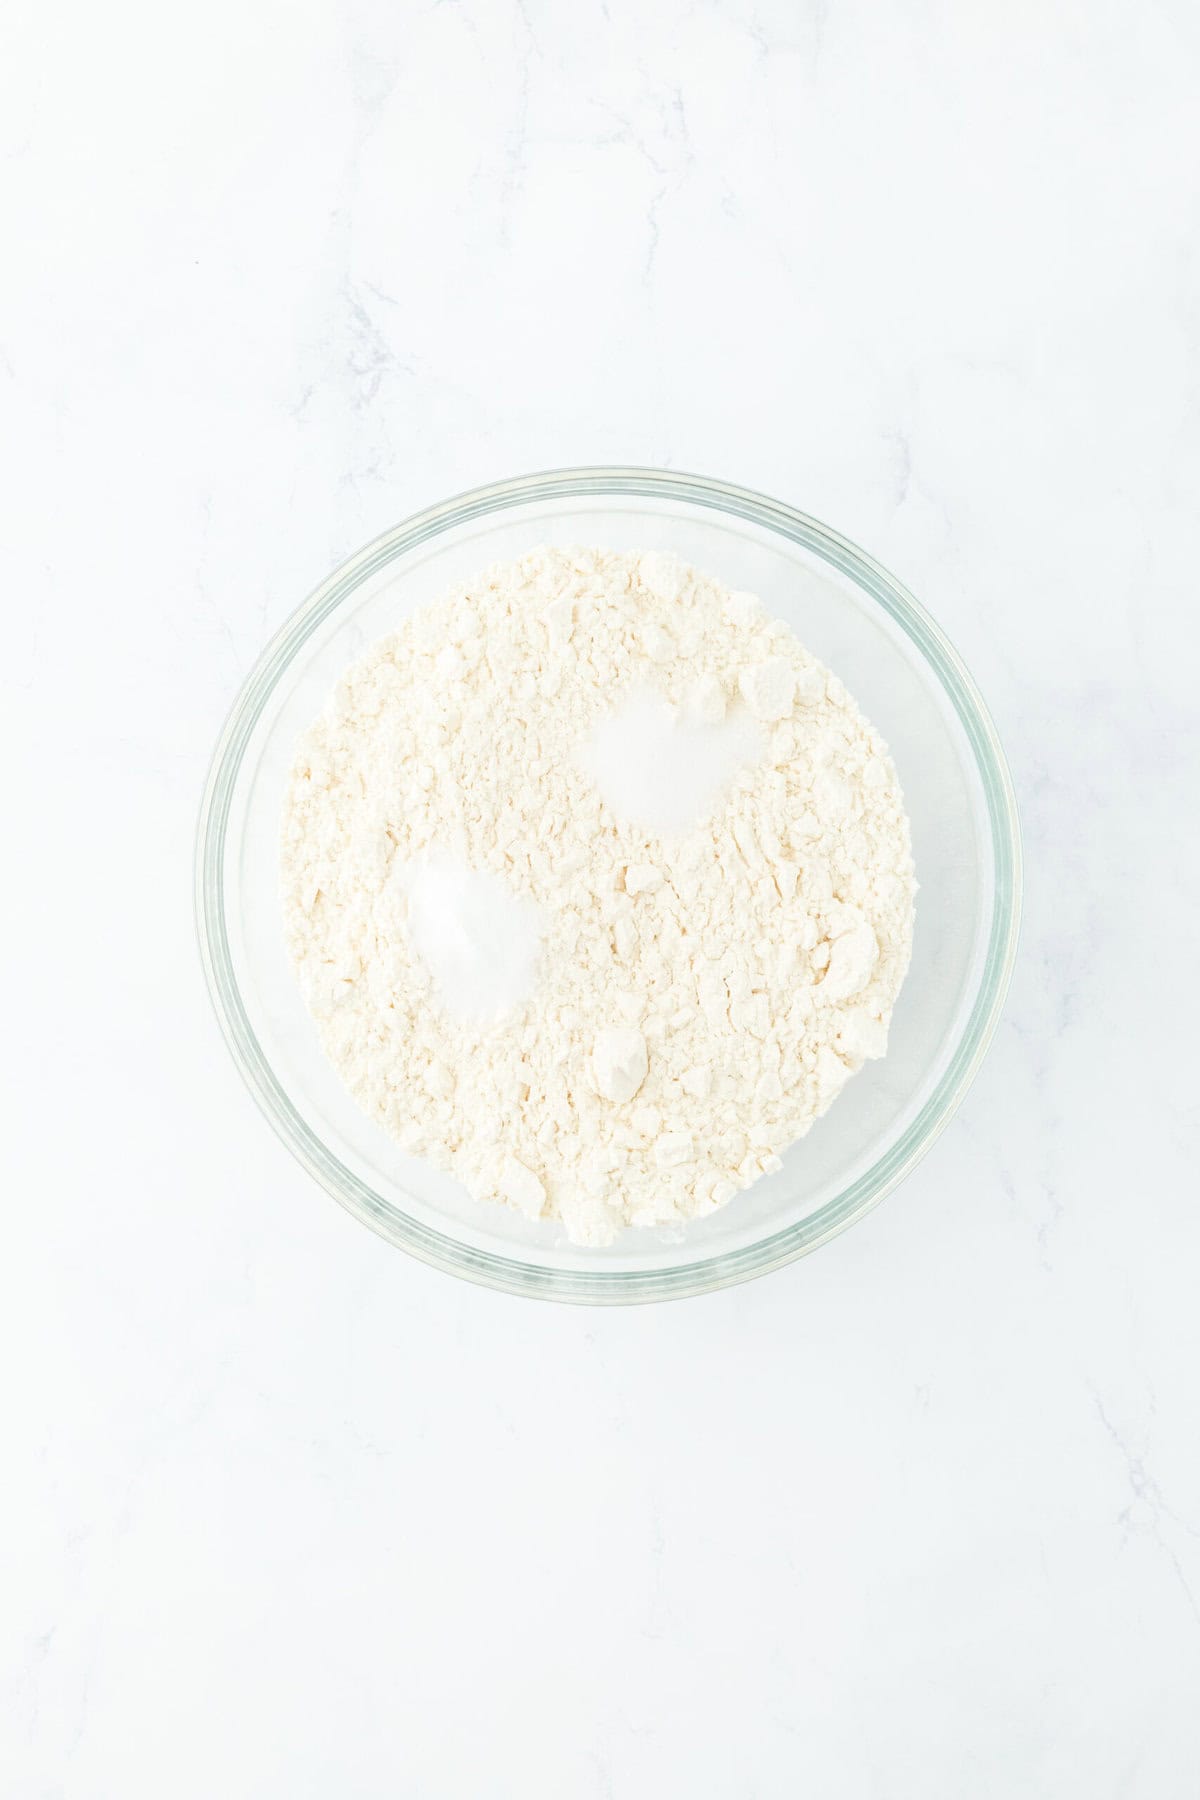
[[530, 957]]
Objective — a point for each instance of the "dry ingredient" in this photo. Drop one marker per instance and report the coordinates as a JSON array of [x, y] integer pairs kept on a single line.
[[690, 993]]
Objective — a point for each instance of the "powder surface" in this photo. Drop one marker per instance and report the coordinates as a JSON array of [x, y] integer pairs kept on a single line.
[[680, 993]]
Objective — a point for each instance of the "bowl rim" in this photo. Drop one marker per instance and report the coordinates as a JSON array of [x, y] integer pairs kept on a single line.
[[509, 1273]]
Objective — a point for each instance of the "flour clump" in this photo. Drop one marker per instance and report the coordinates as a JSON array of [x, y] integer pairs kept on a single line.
[[588, 1015]]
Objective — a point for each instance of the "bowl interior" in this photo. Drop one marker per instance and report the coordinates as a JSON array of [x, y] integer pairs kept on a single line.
[[894, 664]]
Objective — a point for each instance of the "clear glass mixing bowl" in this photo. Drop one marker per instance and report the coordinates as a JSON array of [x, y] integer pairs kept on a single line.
[[911, 685]]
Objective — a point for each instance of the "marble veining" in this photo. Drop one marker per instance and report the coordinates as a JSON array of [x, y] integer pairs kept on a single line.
[[286, 1515]]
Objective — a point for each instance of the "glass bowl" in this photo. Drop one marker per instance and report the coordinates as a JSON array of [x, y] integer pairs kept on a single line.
[[909, 682]]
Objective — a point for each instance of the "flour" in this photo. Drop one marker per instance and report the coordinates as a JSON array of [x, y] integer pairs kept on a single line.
[[478, 939], [592, 998], [646, 767]]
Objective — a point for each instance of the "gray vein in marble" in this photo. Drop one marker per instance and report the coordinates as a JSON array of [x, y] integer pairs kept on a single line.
[[671, 164], [1147, 1493], [515, 148], [371, 358]]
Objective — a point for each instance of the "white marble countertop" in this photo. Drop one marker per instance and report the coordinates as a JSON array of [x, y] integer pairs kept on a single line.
[[287, 1515]]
